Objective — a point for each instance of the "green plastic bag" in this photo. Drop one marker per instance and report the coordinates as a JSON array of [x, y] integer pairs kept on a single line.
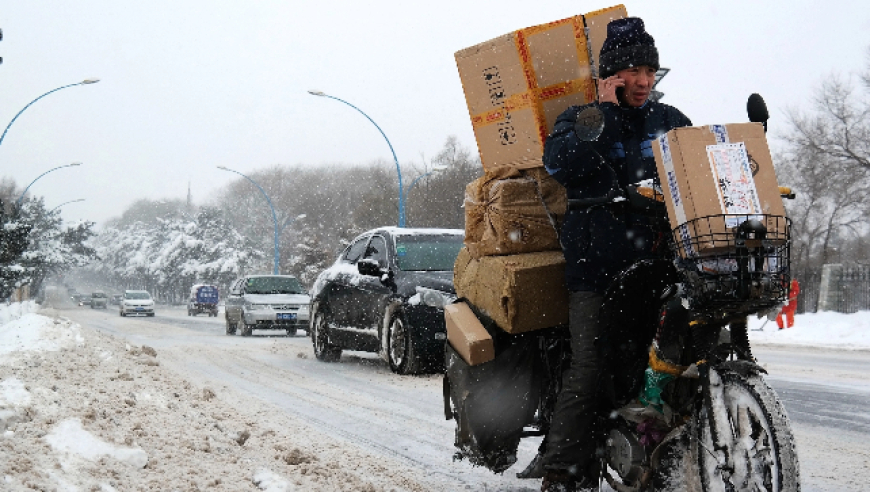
[[654, 384]]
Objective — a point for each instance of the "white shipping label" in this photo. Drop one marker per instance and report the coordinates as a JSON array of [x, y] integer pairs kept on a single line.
[[735, 186]]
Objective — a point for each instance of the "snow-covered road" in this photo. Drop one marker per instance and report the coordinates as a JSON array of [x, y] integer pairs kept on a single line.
[[357, 400], [371, 412]]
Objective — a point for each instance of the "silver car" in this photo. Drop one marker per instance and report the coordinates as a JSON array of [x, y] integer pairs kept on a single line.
[[136, 302], [266, 302]]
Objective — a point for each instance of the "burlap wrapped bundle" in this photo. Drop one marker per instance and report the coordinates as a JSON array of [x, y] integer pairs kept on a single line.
[[505, 212]]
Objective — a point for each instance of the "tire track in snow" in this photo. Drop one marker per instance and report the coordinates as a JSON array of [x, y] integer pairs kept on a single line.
[[246, 374]]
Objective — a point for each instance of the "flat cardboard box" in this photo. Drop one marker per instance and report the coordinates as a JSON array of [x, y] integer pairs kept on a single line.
[[467, 335], [712, 170], [520, 293], [511, 211], [516, 85]]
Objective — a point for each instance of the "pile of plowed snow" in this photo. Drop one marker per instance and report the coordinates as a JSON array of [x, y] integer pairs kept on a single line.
[[82, 411], [823, 329]]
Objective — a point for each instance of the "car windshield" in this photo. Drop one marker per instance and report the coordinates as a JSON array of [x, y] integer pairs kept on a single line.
[[137, 295], [273, 285], [427, 253], [99, 295]]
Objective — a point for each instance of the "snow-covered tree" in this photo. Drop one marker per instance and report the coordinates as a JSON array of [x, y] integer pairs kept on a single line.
[[52, 247], [13, 244], [168, 256]]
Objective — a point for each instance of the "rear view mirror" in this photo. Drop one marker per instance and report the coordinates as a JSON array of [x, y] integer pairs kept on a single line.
[[589, 124], [756, 109], [369, 267]]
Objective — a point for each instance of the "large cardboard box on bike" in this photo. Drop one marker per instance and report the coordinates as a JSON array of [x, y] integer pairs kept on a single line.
[[520, 293], [710, 171], [516, 85], [511, 211]]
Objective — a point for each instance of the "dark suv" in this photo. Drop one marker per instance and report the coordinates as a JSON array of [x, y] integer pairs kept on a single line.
[[386, 293]]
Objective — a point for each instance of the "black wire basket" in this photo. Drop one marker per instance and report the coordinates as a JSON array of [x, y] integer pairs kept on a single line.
[[736, 262]]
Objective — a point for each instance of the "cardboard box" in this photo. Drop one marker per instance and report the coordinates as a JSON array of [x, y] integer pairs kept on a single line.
[[505, 212], [519, 292], [516, 85], [467, 335], [713, 170]]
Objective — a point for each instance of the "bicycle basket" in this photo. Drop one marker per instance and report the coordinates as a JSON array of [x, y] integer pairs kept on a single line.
[[734, 262]]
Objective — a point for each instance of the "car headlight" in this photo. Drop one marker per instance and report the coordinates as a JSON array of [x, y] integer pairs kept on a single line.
[[435, 298]]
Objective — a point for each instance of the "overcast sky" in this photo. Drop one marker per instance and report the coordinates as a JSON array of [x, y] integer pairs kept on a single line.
[[187, 85]]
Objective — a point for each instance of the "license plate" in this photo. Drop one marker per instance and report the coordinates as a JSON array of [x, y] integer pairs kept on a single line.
[[290, 316], [140, 309]]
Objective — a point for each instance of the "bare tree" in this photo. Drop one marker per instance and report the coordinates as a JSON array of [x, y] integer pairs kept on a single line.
[[832, 204], [827, 160], [438, 200], [839, 125]]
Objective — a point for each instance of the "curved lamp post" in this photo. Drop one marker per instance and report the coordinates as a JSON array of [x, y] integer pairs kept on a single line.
[[83, 82], [435, 169], [274, 217], [65, 203], [398, 170], [290, 221], [43, 174]]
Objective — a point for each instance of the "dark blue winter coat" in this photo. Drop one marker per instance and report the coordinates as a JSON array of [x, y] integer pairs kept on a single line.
[[599, 242]]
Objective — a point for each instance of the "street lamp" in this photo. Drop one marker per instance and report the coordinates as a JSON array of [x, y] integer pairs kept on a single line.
[[274, 217], [398, 170], [43, 174], [290, 221], [435, 169], [64, 203], [83, 82]]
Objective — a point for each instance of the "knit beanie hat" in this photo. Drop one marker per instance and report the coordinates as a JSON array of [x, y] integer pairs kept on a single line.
[[627, 45]]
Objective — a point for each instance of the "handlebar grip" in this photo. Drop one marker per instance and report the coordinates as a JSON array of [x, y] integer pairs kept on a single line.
[[650, 194]]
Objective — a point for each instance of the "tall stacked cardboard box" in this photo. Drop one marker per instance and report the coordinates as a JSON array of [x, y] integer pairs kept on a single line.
[[516, 85]]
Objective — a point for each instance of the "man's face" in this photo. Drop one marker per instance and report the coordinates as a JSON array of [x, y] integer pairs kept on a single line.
[[638, 84]]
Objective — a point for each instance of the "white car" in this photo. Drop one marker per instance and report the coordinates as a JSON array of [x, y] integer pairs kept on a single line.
[[137, 302]]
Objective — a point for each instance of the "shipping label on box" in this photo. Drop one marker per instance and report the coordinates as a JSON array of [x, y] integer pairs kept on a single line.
[[729, 164], [714, 178], [516, 85]]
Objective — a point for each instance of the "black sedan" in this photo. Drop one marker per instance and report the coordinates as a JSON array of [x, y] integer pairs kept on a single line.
[[386, 293]]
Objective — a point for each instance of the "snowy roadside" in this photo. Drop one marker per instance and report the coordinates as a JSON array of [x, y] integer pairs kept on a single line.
[[823, 329], [83, 411]]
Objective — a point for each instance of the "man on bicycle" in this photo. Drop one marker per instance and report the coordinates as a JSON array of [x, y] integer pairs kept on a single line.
[[598, 241]]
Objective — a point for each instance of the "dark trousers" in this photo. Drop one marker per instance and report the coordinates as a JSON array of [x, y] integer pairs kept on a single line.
[[569, 445]]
